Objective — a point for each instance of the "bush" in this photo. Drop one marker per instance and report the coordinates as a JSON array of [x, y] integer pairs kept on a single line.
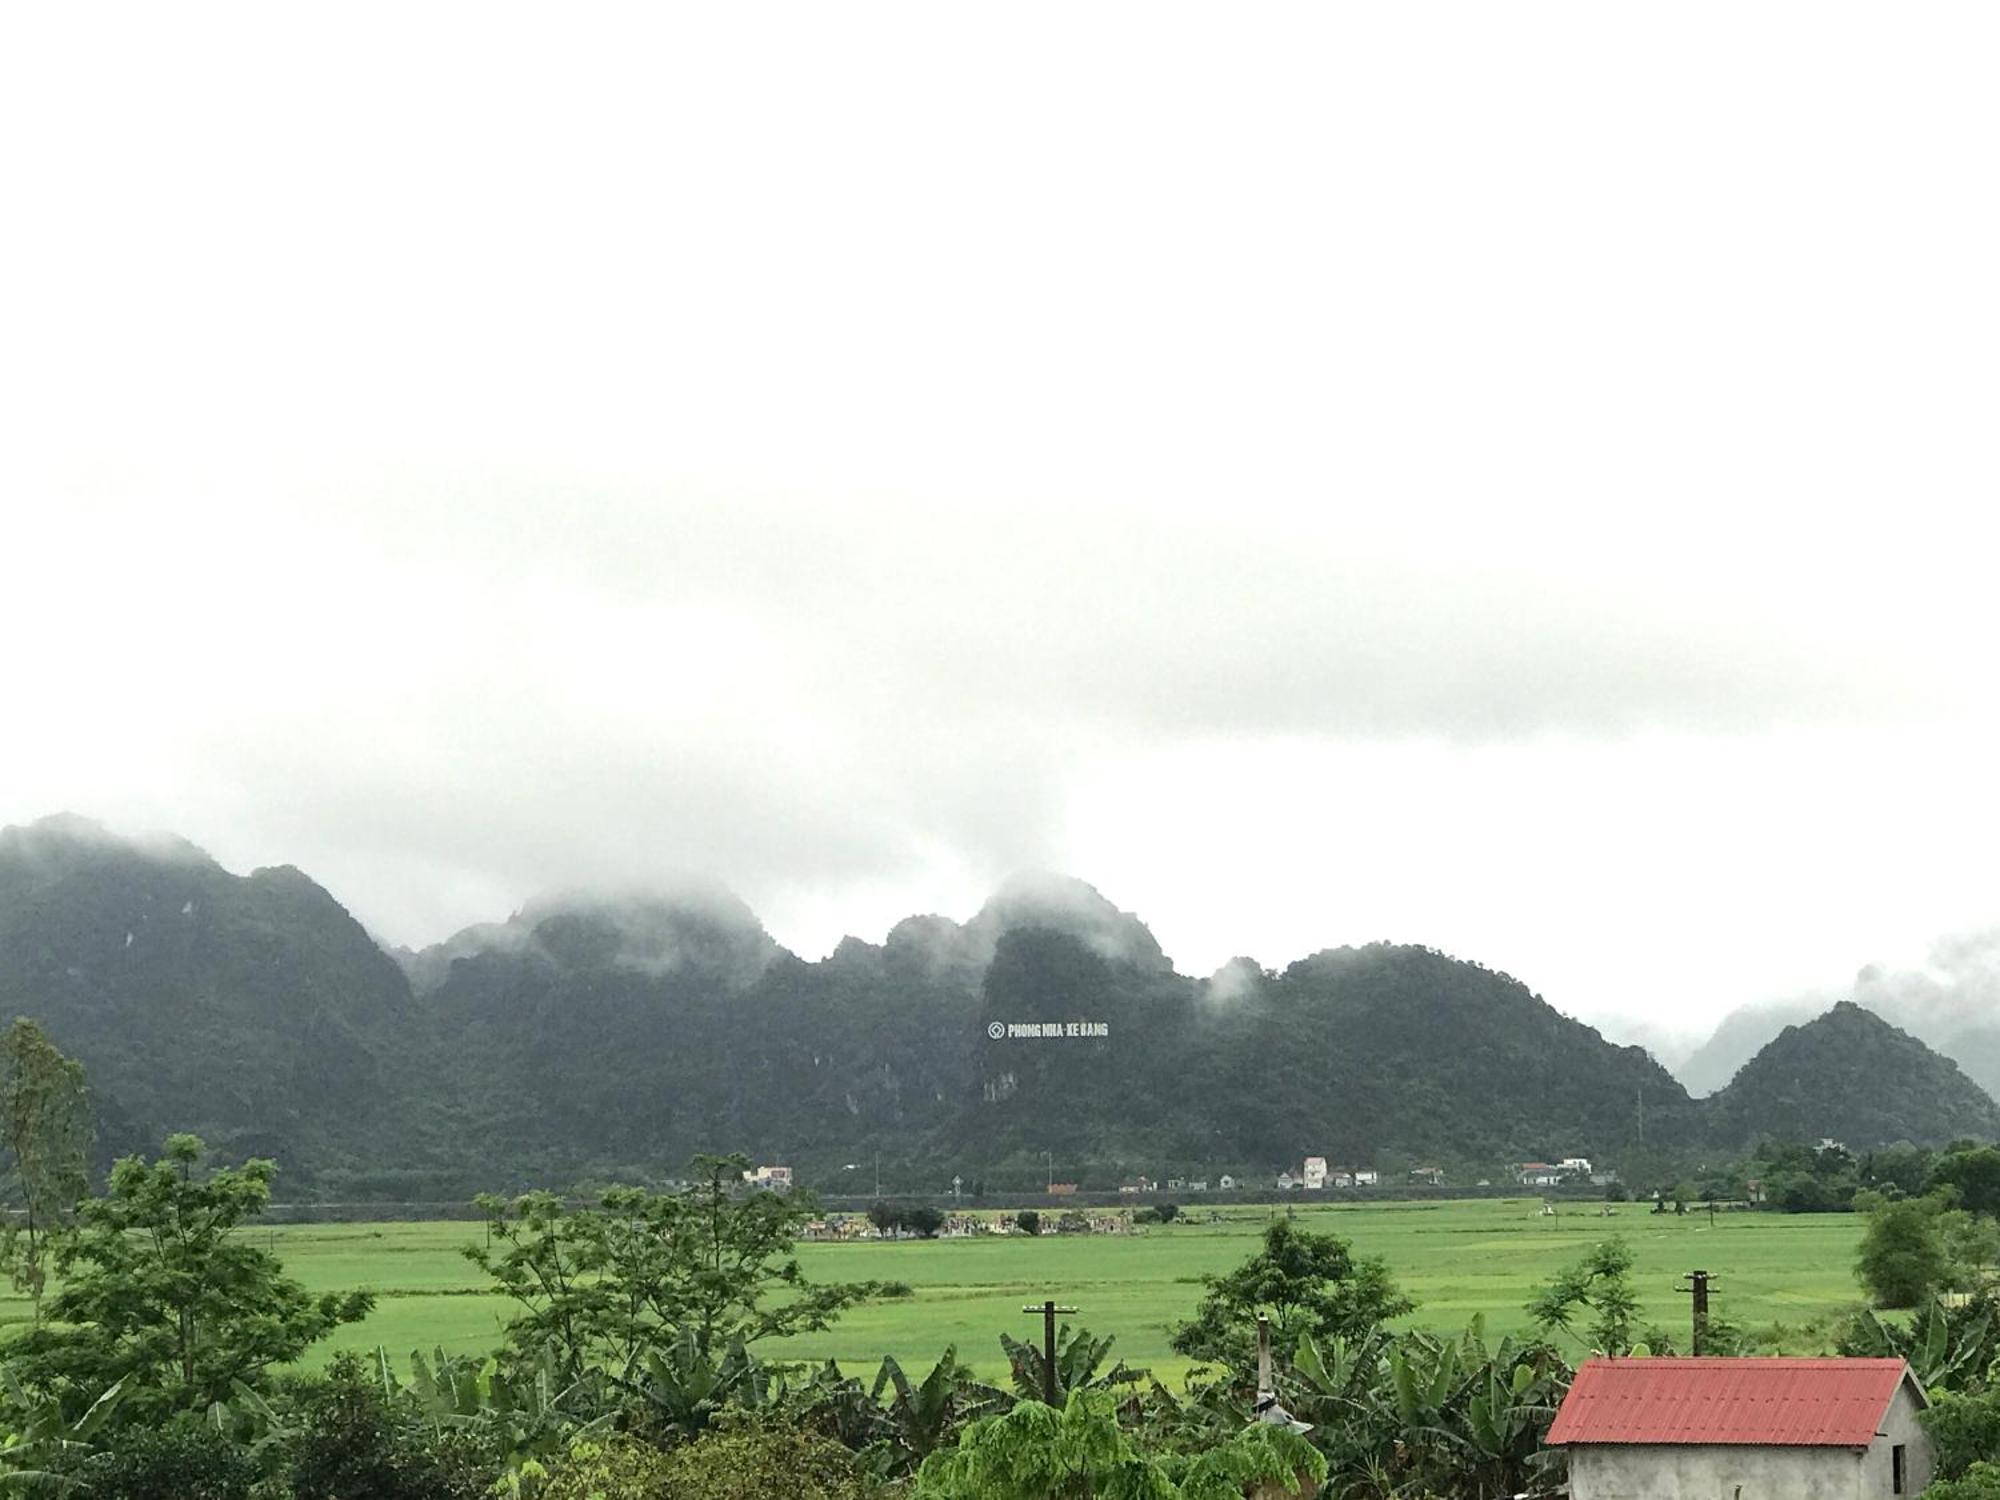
[[351, 1446], [181, 1461], [756, 1463], [1981, 1482], [760, 1463], [618, 1469]]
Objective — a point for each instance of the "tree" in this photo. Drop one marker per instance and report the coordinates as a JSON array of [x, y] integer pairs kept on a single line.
[[1975, 1173], [645, 1271], [1902, 1256], [1307, 1283], [45, 1129], [160, 1290], [1600, 1282], [1028, 1221]]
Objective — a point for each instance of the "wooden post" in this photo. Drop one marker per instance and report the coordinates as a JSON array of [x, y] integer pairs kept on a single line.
[[1699, 1284]]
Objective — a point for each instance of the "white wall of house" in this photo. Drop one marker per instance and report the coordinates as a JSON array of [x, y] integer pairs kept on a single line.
[[1899, 1425], [1638, 1471]]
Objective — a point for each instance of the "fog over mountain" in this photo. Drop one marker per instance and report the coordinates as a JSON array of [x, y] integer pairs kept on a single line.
[[1952, 1002], [614, 1034]]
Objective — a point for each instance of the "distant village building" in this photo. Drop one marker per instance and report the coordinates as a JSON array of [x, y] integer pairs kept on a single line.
[[1340, 1177], [1315, 1174], [1226, 1183], [1366, 1177], [1062, 1189], [1287, 1182], [777, 1179], [1539, 1174], [1434, 1176], [1772, 1429], [1197, 1185], [1580, 1165], [1139, 1185]]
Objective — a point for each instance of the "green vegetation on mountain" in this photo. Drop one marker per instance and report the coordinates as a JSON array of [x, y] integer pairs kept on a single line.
[[615, 1038], [1851, 1076]]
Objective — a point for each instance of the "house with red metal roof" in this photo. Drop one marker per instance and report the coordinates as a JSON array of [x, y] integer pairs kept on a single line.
[[1743, 1429]]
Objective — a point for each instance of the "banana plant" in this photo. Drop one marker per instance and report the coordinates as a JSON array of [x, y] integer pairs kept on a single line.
[[927, 1414], [42, 1434], [683, 1387], [1946, 1346], [1079, 1359]]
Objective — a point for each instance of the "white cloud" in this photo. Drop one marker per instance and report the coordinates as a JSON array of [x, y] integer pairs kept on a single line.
[[1510, 480]]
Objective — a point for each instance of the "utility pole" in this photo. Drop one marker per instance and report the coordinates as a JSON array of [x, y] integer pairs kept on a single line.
[[1698, 1286], [1052, 1172], [878, 1174], [1048, 1310]]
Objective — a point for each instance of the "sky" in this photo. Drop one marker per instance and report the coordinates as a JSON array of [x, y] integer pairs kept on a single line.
[[1515, 479]]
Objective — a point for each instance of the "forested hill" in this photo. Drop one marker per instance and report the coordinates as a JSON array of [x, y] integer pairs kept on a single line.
[[1851, 1075], [591, 1037]]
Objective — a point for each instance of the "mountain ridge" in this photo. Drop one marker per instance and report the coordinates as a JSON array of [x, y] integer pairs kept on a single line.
[[615, 1035]]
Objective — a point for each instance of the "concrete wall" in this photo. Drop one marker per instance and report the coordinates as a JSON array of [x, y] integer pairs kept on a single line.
[[1899, 1426], [1720, 1472]]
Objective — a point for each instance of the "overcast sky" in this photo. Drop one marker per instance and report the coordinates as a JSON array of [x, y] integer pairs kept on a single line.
[[1517, 479]]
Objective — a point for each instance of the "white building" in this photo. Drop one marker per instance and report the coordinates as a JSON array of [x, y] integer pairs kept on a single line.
[[1315, 1178], [1580, 1165], [777, 1179], [1226, 1183], [1775, 1429], [1366, 1177]]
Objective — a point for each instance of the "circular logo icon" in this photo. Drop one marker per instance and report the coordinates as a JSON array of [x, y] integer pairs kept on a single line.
[[996, 1029]]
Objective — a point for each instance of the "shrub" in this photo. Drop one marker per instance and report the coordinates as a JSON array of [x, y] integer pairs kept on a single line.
[[619, 1468], [180, 1461], [754, 1463], [760, 1462], [350, 1446]]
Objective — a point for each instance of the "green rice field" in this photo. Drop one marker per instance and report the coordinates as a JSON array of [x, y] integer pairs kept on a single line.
[[1455, 1258]]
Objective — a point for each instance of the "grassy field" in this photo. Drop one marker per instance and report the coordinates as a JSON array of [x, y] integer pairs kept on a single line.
[[1456, 1259]]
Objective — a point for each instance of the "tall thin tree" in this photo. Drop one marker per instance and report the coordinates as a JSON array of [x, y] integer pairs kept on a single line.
[[46, 1132]]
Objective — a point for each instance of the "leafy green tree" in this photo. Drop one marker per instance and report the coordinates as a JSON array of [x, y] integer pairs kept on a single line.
[[1902, 1257], [160, 1290], [1980, 1482], [644, 1271], [1601, 1282], [46, 1131], [1974, 1173], [1307, 1283], [1028, 1221], [1964, 1428]]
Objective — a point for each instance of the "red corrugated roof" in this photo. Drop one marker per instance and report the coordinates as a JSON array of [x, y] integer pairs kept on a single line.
[[1837, 1403]]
